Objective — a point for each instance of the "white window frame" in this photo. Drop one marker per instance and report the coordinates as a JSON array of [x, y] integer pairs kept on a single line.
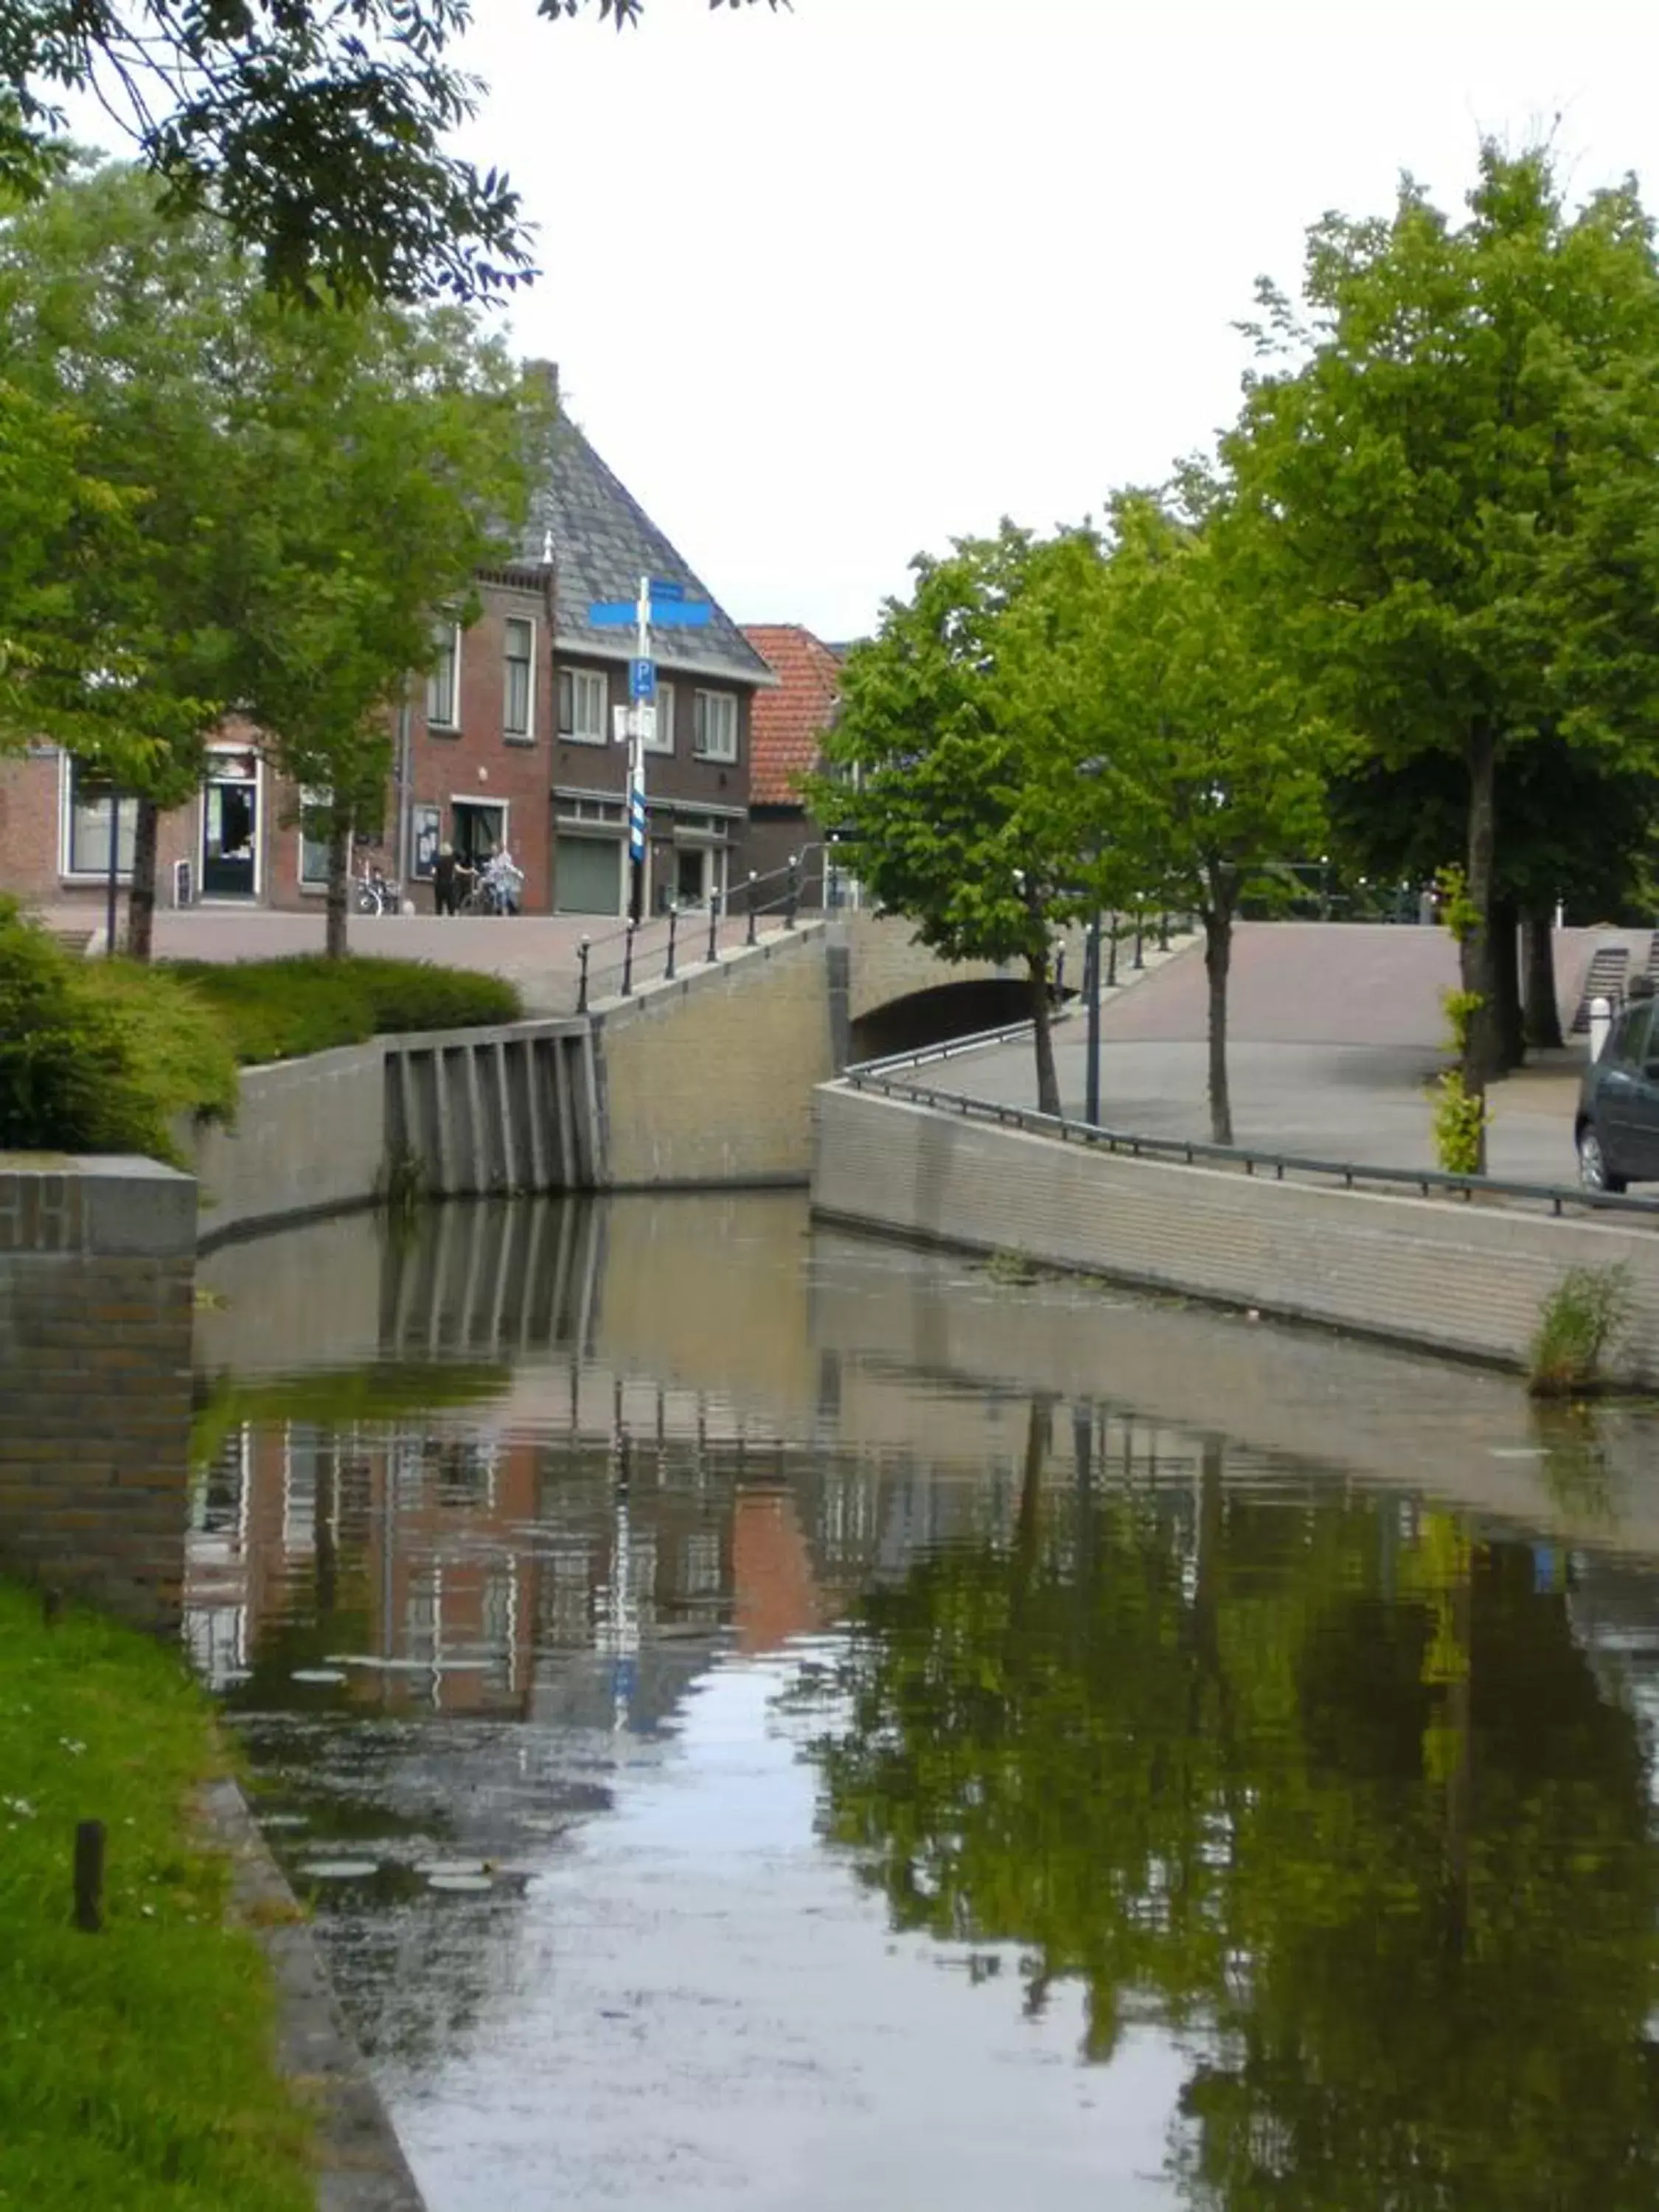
[[701, 749], [445, 714], [310, 797], [664, 740], [581, 680], [99, 872], [228, 750], [527, 735]]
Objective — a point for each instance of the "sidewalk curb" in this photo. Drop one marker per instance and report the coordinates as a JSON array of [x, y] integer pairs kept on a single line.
[[360, 2163]]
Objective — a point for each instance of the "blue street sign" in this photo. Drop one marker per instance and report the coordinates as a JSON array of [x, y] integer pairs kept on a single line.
[[641, 679], [661, 591], [665, 614]]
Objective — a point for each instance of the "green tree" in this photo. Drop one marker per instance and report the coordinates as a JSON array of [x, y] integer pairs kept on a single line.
[[392, 456], [1214, 769], [304, 490], [316, 132], [1452, 467], [955, 764]]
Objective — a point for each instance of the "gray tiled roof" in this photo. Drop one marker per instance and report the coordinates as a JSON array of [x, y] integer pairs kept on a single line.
[[602, 543]]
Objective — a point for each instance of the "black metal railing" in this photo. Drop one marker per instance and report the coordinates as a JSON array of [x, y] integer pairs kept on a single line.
[[655, 950], [879, 1076]]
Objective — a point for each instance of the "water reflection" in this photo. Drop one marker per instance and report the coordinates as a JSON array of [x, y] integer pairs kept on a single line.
[[781, 1722]]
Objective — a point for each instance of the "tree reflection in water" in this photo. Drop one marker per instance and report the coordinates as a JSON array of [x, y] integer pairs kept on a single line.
[[1322, 1781]]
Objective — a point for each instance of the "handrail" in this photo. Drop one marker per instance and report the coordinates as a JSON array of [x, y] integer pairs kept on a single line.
[[680, 933], [1192, 1151]]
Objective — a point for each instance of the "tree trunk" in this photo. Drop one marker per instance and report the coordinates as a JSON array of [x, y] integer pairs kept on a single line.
[[1217, 959], [1042, 1034], [141, 897], [1543, 1008], [1481, 1047], [1506, 966], [339, 885]]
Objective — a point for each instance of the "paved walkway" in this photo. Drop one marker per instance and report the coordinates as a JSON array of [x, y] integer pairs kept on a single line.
[[538, 952], [1337, 1037]]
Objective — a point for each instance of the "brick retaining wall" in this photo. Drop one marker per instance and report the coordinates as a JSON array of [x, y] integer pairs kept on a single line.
[[1437, 1274], [97, 1259]]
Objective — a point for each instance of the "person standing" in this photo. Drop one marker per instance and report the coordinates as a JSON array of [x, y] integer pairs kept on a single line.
[[444, 885]]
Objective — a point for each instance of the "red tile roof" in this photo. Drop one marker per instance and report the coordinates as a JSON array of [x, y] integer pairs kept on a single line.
[[789, 721]]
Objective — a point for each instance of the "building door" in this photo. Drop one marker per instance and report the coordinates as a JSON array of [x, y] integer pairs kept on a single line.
[[693, 867], [588, 875], [230, 827], [480, 830]]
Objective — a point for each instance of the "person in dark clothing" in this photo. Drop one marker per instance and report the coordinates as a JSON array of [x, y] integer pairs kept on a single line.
[[445, 880]]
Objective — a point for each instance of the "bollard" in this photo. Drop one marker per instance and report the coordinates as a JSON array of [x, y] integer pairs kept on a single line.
[[1140, 948], [1164, 930], [791, 899], [673, 923], [1111, 956], [628, 960], [581, 986], [89, 1875], [1600, 1021], [750, 938], [714, 926]]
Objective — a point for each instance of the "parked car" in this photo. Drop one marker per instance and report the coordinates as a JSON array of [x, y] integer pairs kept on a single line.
[[1618, 1126]]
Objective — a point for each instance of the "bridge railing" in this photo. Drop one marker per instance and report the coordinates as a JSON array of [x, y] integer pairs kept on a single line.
[[878, 1077], [658, 948]]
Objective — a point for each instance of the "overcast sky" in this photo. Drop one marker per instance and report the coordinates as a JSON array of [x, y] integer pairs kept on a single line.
[[828, 288]]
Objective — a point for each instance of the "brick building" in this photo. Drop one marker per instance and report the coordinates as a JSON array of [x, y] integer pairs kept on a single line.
[[789, 727], [507, 741]]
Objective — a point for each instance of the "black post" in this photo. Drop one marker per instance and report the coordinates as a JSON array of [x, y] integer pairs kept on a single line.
[[1111, 956], [750, 938], [792, 897], [1163, 930], [89, 1875], [713, 926], [114, 871], [627, 958], [673, 924], [1092, 986], [581, 987], [1140, 948]]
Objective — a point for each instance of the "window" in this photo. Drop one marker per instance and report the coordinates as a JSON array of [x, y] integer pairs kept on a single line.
[[86, 804], [315, 808], [714, 726], [583, 702], [519, 689], [443, 684], [1632, 1043], [664, 740]]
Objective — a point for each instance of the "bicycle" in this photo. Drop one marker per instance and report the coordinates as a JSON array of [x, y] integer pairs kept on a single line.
[[376, 893]]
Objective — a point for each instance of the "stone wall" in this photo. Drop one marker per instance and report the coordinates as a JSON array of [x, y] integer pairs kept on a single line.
[[96, 1265], [1437, 1273], [710, 1079], [310, 1138]]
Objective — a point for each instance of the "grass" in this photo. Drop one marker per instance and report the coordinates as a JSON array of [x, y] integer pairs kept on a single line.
[[285, 1009], [136, 2067], [1583, 1320]]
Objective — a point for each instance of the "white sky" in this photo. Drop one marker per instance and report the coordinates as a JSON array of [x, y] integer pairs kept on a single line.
[[827, 288]]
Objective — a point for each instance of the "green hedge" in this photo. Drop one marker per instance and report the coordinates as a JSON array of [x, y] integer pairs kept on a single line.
[[284, 1009], [104, 1056], [100, 1056]]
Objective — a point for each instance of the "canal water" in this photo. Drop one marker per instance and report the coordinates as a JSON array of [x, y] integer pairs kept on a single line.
[[774, 1723]]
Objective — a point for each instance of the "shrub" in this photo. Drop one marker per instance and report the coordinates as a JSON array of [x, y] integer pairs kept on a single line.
[[1583, 1319], [1459, 1118], [99, 1057], [284, 1009]]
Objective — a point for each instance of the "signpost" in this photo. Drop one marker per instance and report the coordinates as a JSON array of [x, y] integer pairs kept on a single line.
[[662, 607]]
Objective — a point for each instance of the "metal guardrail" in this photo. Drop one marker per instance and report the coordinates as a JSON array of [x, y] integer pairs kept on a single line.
[[656, 948], [1192, 1151]]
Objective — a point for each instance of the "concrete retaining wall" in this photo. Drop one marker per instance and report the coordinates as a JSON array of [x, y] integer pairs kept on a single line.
[[96, 1266], [710, 1079], [1439, 1274]]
